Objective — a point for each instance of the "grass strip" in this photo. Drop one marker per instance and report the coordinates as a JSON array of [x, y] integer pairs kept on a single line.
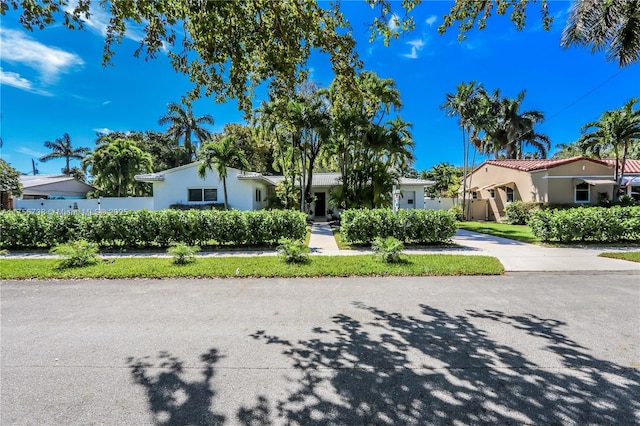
[[258, 266], [514, 232], [633, 256]]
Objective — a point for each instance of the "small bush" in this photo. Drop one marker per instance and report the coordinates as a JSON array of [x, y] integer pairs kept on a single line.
[[183, 253], [388, 249], [293, 251], [457, 211], [519, 212], [77, 254]]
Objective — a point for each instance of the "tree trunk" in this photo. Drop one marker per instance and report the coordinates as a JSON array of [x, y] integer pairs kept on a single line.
[[224, 188]]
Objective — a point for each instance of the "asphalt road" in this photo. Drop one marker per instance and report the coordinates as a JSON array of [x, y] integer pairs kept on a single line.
[[523, 348]]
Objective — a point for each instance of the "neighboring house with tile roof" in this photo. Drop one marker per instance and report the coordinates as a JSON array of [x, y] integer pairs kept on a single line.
[[252, 191], [576, 180], [53, 186]]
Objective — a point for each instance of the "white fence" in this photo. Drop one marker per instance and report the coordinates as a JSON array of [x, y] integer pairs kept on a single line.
[[440, 203], [93, 205]]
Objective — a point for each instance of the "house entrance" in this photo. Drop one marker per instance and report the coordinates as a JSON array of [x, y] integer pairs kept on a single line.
[[321, 204]]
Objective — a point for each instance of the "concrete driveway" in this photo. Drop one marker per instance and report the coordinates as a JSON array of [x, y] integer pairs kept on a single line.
[[521, 348]]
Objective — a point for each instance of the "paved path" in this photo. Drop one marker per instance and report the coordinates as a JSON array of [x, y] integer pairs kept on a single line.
[[522, 348], [322, 241]]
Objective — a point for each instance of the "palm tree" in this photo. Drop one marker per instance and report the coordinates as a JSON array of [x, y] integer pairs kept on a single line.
[[613, 26], [182, 125], [618, 130], [220, 155], [507, 129], [62, 148], [465, 105], [114, 164]]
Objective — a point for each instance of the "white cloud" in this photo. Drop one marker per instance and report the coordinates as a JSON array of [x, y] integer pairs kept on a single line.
[[431, 20], [416, 46], [98, 22], [103, 131], [394, 22], [18, 47], [106, 102], [14, 79], [30, 152]]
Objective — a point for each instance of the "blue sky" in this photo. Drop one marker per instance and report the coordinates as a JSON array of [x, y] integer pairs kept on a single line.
[[53, 82]]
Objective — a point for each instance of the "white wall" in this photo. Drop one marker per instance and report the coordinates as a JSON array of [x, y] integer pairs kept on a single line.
[[85, 206], [415, 191], [439, 203], [174, 188]]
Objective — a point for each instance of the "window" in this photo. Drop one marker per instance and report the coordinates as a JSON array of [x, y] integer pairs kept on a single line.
[[210, 194], [258, 195], [474, 195], [509, 193], [203, 194], [410, 201], [195, 194], [492, 193], [582, 193]]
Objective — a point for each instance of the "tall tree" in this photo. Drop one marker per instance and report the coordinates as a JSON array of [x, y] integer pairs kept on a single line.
[[9, 184], [183, 125], [62, 148], [114, 163], [465, 104], [618, 130], [221, 155]]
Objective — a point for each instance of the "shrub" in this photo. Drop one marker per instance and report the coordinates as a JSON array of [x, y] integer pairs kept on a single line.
[[457, 211], [151, 228], [183, 254], [293, 251], [596, 224], [409, 226], [77, 254], [388, 249], [519, 212]]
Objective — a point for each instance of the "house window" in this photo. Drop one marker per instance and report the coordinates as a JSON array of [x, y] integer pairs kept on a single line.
[[203, 194], [258, 195], [492, 193], [210, 194], [410, 201], [509, 194], [582, 193], [474, 195], [195, 194]]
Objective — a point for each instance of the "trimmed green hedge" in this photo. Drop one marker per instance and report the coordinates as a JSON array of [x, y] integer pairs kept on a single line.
[[146, 228], [587, 224], [362, 226], [519, 212]]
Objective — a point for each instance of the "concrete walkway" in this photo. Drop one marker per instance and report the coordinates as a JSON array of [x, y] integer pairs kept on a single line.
[[322, 241], [523, 257]]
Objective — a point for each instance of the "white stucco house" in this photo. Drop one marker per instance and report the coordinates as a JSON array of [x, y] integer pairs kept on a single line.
[[250, 190]]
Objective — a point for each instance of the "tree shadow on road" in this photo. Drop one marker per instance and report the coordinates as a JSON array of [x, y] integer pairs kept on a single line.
[[436, 368], [173, 400]]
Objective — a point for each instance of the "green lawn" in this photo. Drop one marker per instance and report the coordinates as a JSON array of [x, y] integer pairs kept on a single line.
[[257, 266], [633, 256], [514, 232]]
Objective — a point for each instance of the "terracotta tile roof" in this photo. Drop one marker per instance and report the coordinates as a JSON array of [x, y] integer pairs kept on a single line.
[[531, 165], [631, 166]]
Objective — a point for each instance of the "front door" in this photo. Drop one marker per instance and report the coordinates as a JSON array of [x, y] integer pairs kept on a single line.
[[321, 204]]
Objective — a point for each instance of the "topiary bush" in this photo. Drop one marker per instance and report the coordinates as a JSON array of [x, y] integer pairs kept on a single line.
[[519, 212], [595, 224], [183, 254], [362, 226]]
